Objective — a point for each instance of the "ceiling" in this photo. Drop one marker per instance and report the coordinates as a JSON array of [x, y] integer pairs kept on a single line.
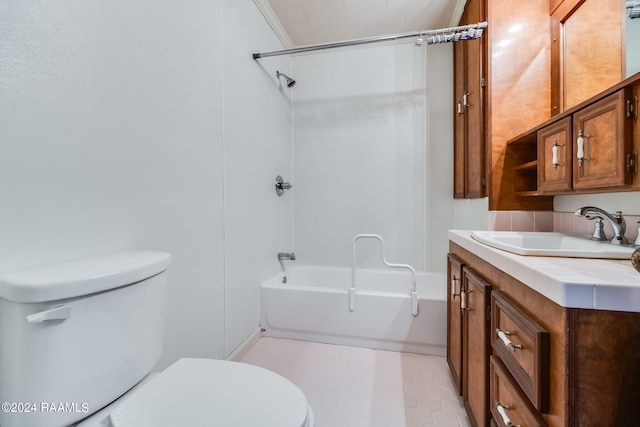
[[304, 22]]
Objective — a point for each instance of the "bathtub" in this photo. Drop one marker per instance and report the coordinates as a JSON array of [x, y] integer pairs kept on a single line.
[[312, 304]]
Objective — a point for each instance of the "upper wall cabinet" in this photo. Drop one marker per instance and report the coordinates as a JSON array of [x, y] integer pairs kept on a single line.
[[587, 50], [547, 61], [469, 119], [590, 149]]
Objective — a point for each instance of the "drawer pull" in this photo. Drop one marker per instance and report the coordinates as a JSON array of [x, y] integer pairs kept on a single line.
[[454, 280], [502, 410], [504, 336]]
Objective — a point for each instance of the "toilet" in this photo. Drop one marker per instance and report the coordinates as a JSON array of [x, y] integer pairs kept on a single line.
[[78, 341]]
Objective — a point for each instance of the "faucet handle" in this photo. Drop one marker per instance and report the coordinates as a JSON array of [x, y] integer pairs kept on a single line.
[[598, 231]]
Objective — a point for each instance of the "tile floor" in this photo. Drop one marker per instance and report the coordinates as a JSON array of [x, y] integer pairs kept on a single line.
[[358, 387]]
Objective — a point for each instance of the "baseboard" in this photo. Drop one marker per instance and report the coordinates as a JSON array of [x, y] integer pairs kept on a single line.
[[246, 345]]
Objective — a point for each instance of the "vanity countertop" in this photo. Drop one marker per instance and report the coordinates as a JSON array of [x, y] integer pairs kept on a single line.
[[570, 282]]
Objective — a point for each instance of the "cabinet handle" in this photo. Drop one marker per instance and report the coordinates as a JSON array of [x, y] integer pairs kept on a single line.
[[454, 279], [460, 108], [502, 410], [463, 301], [504, 336], [465, 99], [554, 154], [580, 142]]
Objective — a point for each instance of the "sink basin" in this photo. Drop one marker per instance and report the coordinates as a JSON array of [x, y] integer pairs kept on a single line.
[[551, 244]]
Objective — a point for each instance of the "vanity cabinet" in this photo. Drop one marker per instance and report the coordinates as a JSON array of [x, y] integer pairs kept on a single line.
[[475, 295], [576, 367], [469, 179], [454, 320], [468, 338]]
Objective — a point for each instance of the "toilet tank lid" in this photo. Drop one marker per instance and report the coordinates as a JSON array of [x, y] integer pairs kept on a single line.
[[82, 276]]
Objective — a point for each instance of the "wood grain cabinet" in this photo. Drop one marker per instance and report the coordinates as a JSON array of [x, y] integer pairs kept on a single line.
[[468, 338], [476, 304], [454, 320], [469, 180], [589, 150], [600, 156], [569, 366], [555, 163]]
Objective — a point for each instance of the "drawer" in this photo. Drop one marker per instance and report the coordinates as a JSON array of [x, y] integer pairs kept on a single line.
[[523, 346], [509, 406]]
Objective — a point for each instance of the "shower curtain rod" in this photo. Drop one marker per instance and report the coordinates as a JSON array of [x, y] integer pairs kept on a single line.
[[442, 35]]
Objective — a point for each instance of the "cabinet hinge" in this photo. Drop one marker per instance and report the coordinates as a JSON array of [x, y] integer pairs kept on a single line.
[[632, 108], [632, 163], [488, 312], [483, 181], [482, 82]]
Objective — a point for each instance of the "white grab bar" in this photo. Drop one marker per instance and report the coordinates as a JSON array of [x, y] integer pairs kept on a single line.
[[352, 289]]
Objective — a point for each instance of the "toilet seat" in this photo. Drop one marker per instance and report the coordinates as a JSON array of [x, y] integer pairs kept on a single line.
[[206, 392]]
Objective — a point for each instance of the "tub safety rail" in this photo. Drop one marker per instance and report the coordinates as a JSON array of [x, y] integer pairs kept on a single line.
[[352, 288]]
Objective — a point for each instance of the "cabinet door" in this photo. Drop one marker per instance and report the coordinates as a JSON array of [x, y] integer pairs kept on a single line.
[[606, 132], [554, 157], [459, 120], [469, 128], [454, 320], [476, 305]]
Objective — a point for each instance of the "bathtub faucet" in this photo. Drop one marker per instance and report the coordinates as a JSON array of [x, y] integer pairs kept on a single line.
[[282, 256]]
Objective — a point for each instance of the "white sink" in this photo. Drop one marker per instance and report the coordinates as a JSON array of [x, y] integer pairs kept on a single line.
[[551, 244]]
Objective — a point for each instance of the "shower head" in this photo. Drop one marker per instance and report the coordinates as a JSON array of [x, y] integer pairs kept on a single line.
[[290, 81]]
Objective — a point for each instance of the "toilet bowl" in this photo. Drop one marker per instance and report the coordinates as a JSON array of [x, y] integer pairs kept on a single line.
[[84, 336], [207, 392]]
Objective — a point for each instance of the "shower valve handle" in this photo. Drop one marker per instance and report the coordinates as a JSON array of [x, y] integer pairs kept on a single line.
[[281, 186]]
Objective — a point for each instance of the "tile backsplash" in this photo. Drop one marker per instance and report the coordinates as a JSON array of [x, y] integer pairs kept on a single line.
[[564, 222]]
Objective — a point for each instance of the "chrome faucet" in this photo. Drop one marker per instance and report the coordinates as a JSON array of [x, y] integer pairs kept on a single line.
[[616, 220], [282, 256]]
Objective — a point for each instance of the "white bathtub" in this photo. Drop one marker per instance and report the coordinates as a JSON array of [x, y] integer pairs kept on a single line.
[[313, 305]]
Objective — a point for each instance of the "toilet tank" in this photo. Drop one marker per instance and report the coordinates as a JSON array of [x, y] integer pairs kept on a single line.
[[74, 336]]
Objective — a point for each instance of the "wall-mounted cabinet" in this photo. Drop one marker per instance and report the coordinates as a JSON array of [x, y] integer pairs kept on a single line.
[[554, 157], [526, 84], [469, 119], [591, 148]]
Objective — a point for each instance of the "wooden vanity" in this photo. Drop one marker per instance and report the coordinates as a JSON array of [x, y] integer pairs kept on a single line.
[[518, 355]]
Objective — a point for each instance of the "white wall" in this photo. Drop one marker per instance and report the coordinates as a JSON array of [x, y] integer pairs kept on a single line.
[[372, 154], [116, 132], [257, 145]]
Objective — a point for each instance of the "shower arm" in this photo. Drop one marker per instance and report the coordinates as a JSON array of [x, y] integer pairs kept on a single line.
[[442, 35], [352, 289]]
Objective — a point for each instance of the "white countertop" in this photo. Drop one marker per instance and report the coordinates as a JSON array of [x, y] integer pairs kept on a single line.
[[570, 282]]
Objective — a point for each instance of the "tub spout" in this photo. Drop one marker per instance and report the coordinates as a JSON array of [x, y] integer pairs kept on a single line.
[[282, 256]]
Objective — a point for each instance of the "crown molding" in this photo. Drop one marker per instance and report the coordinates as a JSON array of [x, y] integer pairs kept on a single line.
[[275, 24]]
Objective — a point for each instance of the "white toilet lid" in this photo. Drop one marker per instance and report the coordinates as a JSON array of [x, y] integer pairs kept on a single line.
[[206, 392]]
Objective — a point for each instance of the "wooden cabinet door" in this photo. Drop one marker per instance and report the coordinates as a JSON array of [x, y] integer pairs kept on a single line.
[[454, 320], [476, 305], [606, 132], [554, 143], [459, 120], [469, 121]]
